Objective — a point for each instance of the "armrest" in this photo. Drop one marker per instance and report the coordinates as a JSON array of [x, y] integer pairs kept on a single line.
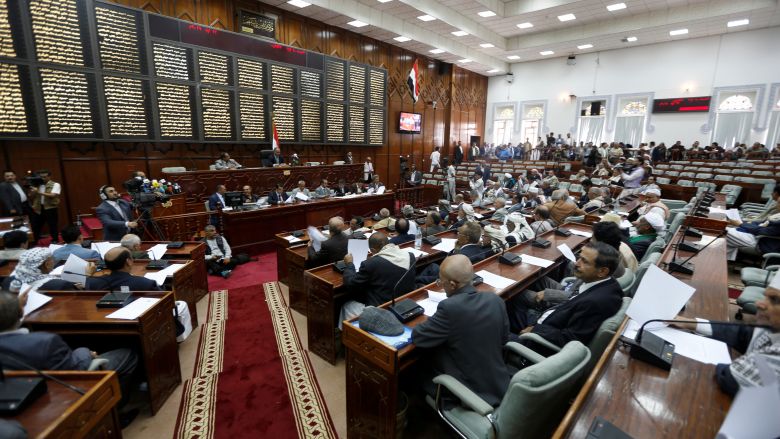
[[525, 352], [97, 364], [463, 393], [540, 341], [768, 257]]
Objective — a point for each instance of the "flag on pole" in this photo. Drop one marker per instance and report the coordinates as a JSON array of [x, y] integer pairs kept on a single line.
[[275, 138], [414, 82]]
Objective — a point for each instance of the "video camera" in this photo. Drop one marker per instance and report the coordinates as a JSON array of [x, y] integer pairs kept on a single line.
[[34, 180], [134, 187]]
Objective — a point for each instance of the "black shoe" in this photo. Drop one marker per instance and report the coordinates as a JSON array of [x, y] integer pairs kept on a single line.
[[125, 418]]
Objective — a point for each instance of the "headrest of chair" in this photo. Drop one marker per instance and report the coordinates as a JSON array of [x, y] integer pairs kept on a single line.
[[556, 366]]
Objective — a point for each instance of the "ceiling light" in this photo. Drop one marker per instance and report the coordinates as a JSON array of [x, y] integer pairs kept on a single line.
[[486, 14], [486, 45], [525, 25], [299, 3], [460, 33], [464, 60], [426, 17], [402, 39], [437, 51], [631, 39], [493, 71], [357, 23], [513, 57], [615, 7], [384, 1], [678, 32], [585, 46], [736, 23], [566, 17], [546, 52]]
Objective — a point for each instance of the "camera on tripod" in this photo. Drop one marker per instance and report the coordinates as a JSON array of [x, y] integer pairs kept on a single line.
[[142, 199]]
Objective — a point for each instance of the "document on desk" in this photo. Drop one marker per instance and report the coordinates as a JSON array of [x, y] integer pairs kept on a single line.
[[358, 248], [566, 251], [301, 196], [693, 346], [75, 270], [292, 239], [446, 245], [732, 214], [134, 309], [580, 233], [539, 262], [104, 247], [158, 251], [659, 296], [160, 276], [35, 300], [494, 280], [380, 190], [316, 237], [417, 253]]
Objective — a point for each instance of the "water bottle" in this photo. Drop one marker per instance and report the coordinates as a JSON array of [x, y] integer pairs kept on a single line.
[[418, 238]]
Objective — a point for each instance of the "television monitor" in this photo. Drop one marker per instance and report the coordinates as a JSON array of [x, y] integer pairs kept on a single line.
[[409, 123], [234, 199]]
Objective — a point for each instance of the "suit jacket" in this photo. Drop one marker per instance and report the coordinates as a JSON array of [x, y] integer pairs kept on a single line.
[[458, 154], [348, 188], [118, 279], [274, 198], [434, 229], [114, 227], [400, 239], [42, 350], [415, 178], [374, 283], [466, 336], [273, 160], [214, 202], [474, 252], [580, 317], [772, 229], [333, 249], [10, 200]]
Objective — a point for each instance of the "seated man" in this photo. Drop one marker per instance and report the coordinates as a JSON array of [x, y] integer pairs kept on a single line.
[[332, 249], [746, 236], [219, 256], [542, 221], [654, 204], [276, 159], [647, 229], [599, 297], [133, 243], [33, 269], [343, 188], [322, 190], [433, 224], [225, 162], [587, 184], [769, 210], [469, 243], [649, 184], [301, 189], [71, 234], [402, 228], [277, 196], [15, 243], [376, 281], [415, 176], [465, 337], [501, 212], [248, 196], [610, 232], [385, 220], [595, 200], [532, 200], [550, 179], [562, 207], [120, 262], [375, 184], [753, 342]]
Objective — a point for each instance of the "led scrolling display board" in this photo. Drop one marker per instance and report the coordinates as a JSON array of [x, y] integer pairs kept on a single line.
[[699, 104], [89, 69]]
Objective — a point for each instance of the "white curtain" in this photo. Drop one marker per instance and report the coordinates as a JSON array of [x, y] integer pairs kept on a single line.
[[629, 129], [591, 129], [774, 131], [733, 127]]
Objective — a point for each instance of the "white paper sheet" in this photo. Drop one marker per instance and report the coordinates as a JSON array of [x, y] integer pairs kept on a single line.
[[429, 306], [732, 214], [437, 296], [158, 251], [417, 253], [659, 296], [359, 250], [103, 247], [6, 220], [693, 346], [35, 300], [316, 237], [380, 190], [55, 247], [539, 262], [705, 239], [301, 196], [580, 233], [160, 276], [563, 248], [134, 309], [494, 280], [292, 239], [75, 270], [478, 216], [446, 245], [57, 271]]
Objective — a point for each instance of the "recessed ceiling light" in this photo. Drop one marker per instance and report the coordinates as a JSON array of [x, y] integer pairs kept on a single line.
[[426, 17], [486, 45], [631, 39], [615, 7], [402, 39], [299, 3], [546, 52], [493, 71], [736, 23], [486, 14], [357, 23], [678, 32], [525, 25], [384, 1], [513, 57], [460, 33], [566, 17], [437, 51], [464, 60], [585, 46]]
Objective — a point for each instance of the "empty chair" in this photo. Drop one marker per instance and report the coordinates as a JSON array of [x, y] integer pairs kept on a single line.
[[688, 174], [698, 163], [685, 182], [769, 187], [677, 167], [675, 225], [174, 169], [722, 177], [657, 246], [761, 277], [706, 185], [740, 171], [704, 176], [576, 187], [663, 180], [762, 173], [747, 300], [662, 166], [672, 173], [564, 184]]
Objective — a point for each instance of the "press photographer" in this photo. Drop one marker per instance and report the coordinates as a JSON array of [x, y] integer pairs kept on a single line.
[[45, 201]]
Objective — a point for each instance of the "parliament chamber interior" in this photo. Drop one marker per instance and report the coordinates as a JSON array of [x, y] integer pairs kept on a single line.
[[388, 219]]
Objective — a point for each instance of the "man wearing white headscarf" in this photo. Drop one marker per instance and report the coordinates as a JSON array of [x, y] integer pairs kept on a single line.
[[515, 231], [33, 269], [654, 204], [477, 186], [647, 229], [465, 213]]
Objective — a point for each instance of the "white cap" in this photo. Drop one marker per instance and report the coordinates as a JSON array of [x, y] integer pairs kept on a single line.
[[653, 191], [507, 175], [655, 220], [533, 190]]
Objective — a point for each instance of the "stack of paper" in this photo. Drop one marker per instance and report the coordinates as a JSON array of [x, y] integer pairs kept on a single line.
[[539, 262], [160, 276], [104, 247], [292, 239], [431, 303], [316, 237], [580, 233], [494, 280], [446, 245], [158, 251], [134, 309], [417, 253]]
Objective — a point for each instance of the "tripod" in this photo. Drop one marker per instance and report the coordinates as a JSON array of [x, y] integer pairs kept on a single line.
[[147, 223]]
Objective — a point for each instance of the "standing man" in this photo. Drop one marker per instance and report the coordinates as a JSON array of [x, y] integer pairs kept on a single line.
[[458, 153], [451, 181], [368, 170], [115, 214], [45, 200], [225, 162], [415, 177], [13, 198], [435, 159], [217, 202]]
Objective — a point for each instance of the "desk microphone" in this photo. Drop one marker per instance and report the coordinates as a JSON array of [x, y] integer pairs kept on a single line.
[[507, 258], [685, 267], [539, 242], [406, 309], [654, 350]]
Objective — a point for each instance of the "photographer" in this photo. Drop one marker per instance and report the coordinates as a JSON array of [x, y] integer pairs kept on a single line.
[[45, 201]]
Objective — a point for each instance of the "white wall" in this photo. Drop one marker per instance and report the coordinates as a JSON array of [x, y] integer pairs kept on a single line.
[[667, 69]]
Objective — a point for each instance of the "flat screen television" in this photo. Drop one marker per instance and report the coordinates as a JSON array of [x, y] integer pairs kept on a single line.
[[409, 123]]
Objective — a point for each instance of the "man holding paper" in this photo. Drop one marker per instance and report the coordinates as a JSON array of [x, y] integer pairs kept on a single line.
[[300, 192], [332, 249], [33, 269], [120, 262]]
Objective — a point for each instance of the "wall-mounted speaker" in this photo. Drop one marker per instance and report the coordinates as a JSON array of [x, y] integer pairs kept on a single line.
[[444, 68], [595, 109], [510, 77]]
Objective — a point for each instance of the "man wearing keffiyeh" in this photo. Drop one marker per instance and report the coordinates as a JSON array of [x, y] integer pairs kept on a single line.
[[33, 269]]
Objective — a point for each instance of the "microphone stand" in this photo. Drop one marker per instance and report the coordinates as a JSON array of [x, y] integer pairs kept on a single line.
[[406, 309], [539, 242], [507, 258], [681, 267]]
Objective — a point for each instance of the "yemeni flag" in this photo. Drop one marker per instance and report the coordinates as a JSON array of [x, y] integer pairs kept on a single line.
[[275, 138], [414, 82]]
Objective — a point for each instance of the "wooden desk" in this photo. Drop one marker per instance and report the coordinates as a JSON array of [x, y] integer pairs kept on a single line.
[[648, 402], [374, 369], [194, 251], [74, 316], [62, 413]]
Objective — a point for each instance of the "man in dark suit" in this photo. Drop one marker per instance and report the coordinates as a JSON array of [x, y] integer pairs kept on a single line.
[[599, 297], [120, 261], [469, 245], [465, 337], [343, 188], [276, 159], [277, 196], [13, 197], [217, 202], [331, 250], [458, 153], [376, 281], [415, 176], [403, 236], [115, 214]]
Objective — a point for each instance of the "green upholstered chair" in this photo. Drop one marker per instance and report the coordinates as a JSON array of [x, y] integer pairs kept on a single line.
[[760, 277], [640, 272], [747, 300], [674, 226], [536, 400], [657, 246]]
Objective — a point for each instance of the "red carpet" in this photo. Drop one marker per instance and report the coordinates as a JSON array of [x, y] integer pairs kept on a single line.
[[241, 386], [734, 293], [251, 273]]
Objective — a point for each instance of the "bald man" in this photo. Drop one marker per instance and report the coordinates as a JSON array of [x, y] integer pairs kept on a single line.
[[120, 262], [465, 337], [333, 249]]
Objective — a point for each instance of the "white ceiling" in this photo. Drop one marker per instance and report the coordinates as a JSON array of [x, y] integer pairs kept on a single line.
[[648, 20]]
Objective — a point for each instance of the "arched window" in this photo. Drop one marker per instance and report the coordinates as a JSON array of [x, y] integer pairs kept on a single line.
[[736, 103], [634, 108], [734, 118], [534, 113], [503, 124], [505, 113], [603, 111]]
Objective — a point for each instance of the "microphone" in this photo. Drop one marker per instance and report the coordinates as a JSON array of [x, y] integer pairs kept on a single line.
[[539, 242], [654, 350], [406, 309], [507, 258], [18, 362], [685, 267]]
